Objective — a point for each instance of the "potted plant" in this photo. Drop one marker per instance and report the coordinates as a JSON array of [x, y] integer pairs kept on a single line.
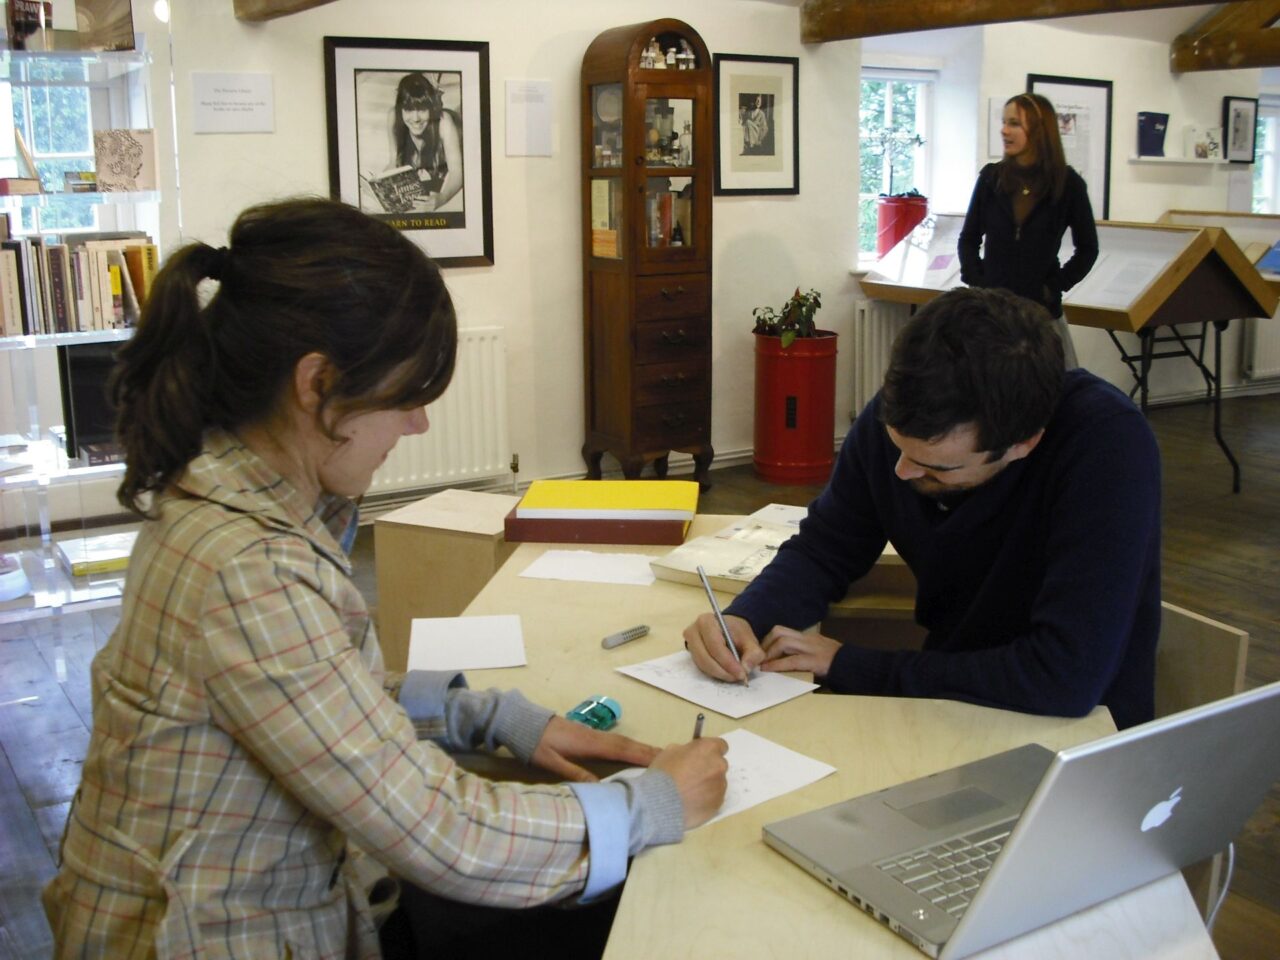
[[795, 392], [897, 213]]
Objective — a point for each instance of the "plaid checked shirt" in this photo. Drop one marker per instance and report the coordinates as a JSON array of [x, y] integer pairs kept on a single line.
[[241, 735]]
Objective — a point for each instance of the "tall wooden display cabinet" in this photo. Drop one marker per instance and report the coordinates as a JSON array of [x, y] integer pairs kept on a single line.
[[647, 144]]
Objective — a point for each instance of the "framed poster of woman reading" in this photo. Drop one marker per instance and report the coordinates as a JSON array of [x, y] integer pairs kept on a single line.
[[409, 139]]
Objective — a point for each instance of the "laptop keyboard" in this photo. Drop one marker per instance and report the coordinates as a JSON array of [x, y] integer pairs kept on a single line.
[[948, 874]]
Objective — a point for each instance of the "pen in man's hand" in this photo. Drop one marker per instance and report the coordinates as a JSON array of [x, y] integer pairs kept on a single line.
[[697, 725], [724, 627]]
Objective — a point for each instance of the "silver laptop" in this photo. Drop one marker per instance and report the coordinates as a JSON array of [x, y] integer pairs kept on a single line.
[[963, 859]]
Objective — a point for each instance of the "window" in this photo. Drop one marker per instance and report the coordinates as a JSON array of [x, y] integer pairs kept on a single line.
[[1266, 163], [51, 114], [893, 130]]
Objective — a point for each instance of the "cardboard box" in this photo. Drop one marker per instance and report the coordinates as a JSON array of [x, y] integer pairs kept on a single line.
[[432, 557]]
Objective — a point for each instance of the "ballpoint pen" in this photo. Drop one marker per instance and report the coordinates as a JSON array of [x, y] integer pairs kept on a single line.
[[697, 725], [724, 627]]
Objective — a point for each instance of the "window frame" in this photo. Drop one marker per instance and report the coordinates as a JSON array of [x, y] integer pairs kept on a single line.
[[926, 80]]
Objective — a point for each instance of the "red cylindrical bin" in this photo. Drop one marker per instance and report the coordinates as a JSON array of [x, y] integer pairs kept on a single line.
[[795, 408], [895, 218]]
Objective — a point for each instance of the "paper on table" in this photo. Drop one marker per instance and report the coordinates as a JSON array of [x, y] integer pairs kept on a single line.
[[676, 673], [466, 643], [592, 567], [759, 770]]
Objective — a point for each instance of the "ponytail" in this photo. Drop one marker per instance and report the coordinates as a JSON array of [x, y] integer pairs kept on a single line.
[[164, 377]]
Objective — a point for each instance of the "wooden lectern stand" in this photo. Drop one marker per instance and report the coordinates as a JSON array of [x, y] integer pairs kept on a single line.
[[1148, 279]]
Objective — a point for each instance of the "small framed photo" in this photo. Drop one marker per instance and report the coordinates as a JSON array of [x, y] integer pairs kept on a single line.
[[409, 140], [757, 110], [1240, 128]]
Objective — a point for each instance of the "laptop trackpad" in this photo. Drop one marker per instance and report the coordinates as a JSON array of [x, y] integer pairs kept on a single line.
[[949, 808]]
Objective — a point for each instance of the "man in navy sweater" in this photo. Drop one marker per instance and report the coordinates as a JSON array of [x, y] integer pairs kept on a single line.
[[1026, 501]]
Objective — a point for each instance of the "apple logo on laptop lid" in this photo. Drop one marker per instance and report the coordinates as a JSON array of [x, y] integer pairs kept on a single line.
[[1161, 812]]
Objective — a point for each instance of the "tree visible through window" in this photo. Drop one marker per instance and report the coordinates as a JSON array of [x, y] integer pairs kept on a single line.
[[892, 128], [51, 112]]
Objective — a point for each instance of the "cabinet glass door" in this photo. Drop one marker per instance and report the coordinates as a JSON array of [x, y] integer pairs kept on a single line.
[[606, 217], [606, 125], [668, 207], [668, 132]]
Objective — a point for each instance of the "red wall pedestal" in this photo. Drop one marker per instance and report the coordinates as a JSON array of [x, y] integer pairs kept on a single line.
[[795, 408]]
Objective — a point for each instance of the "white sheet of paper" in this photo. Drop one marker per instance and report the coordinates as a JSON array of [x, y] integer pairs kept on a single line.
[[677, 674], [759, 770], [466, 643], [592, 567]]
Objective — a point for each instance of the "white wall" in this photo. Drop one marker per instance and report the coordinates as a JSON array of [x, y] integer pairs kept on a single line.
[[763, 247], [1141, 80]]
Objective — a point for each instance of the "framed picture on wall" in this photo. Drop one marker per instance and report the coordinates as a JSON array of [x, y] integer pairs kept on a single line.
[[1084, 121], [1240, 128], [409, 139], [757, 111]]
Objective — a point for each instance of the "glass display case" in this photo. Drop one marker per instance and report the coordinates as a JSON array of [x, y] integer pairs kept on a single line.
[[647, 174]]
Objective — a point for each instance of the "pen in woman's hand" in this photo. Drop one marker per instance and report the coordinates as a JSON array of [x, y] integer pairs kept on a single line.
[[697, 725]]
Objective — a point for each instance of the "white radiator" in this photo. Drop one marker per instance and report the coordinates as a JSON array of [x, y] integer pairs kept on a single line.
[[1261, 354], [468, 436], [875, 324]]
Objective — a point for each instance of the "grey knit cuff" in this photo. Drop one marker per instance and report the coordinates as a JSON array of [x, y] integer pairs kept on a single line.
[[657, 813], [519, 724]]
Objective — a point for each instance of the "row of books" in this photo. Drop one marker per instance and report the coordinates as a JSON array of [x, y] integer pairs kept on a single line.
[[86, 282]]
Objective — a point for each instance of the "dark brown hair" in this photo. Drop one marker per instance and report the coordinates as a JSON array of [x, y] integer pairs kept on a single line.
[[1049, 172], [299, 276], [986, 357]]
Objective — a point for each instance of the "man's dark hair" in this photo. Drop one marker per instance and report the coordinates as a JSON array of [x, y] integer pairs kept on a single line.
[[986, 357]]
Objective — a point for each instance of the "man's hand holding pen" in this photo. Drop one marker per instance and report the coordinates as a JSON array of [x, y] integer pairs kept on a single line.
[[706, 643], [783, 649]]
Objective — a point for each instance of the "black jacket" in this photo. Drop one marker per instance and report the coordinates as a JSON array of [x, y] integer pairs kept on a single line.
[[1025, 260]]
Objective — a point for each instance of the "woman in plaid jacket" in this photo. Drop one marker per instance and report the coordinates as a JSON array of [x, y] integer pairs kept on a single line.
[[242, 732]]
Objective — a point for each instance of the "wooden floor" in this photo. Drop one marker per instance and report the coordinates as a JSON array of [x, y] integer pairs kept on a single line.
[[1221, 558]]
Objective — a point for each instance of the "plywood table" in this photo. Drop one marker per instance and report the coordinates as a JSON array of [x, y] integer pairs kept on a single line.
[[722, 892]]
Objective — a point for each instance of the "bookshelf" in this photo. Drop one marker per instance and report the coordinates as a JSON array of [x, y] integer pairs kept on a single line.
[[47, 494]]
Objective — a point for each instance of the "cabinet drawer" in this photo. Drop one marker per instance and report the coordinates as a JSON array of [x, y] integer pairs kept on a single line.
[[673, 340], [672, 424], [677, 295], [665, 382]]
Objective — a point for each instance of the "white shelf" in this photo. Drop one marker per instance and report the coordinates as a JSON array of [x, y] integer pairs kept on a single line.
[[1184, 161], [54, 590], [88, 198], [50, 466], [33, 341], [47, 67]]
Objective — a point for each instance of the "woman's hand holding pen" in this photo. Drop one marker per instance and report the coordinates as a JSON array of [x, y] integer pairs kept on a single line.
[[705, 642], [699, 769]]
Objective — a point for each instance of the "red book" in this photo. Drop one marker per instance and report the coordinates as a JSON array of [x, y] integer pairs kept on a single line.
[[540, 530]]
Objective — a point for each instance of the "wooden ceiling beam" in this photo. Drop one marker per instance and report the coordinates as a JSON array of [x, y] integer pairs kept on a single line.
[[270, 9], [823, 20], [1238, 35]]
